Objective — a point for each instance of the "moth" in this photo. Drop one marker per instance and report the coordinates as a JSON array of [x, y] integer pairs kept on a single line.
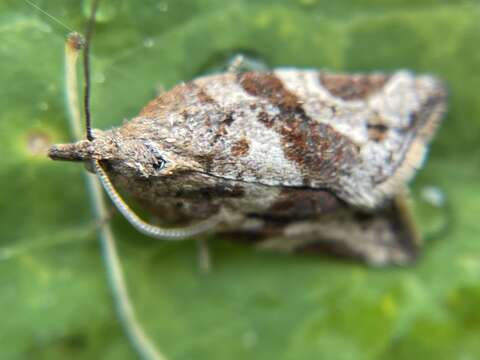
[[296, 160]]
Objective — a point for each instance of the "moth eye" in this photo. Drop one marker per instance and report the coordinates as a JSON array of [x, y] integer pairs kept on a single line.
[[160, 163]]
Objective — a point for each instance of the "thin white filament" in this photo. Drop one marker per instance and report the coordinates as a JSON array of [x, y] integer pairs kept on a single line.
[[49, 15]]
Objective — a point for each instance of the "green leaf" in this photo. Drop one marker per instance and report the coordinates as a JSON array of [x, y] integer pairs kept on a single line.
[[54, 299]]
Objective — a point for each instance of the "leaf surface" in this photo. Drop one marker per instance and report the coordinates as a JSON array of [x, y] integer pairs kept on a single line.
[[54, 301]]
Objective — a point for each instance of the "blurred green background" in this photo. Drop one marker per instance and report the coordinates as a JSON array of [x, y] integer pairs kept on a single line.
[[54, 301]]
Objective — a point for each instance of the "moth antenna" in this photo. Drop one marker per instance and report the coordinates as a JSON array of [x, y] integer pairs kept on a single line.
[[86, 69], [144, 227]]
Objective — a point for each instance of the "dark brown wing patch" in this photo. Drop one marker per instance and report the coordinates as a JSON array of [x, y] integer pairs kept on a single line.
[[297, 203], [352, 87], [268, 86], [240, 148], [377, 132], [317, 148]]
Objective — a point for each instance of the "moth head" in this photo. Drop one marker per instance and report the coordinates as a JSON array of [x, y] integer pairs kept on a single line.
[[124, 156]]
